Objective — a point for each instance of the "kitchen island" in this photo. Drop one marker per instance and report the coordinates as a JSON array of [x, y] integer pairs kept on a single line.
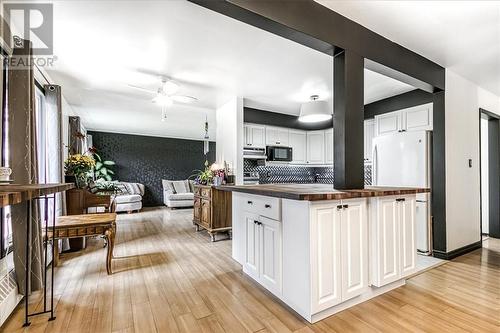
[[322, 250]]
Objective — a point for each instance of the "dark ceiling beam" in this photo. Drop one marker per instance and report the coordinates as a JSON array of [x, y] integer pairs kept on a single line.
[[310, 23]]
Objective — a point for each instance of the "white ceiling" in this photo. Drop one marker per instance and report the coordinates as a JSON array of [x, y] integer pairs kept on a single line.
[[102, 46], [461, 35]]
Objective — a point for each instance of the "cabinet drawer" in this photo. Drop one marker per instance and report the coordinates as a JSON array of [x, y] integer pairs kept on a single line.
[[263, 206], [197, 191], [205, 192]]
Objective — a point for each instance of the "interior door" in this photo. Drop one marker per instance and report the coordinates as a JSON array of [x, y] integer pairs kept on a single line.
[[270, 254], [252, 253], [354, 248], [408, 246], [387, 238], [326, 263]]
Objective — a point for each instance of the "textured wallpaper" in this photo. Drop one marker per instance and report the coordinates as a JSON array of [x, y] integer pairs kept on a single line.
[[148, 160]]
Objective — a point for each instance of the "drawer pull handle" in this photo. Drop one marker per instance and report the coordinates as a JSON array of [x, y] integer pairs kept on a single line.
[[339, 207], [345, 206], [267, 206], [400, 199], [250, 202]]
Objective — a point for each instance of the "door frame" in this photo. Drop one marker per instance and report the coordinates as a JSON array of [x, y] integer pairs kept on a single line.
[[490, 116]]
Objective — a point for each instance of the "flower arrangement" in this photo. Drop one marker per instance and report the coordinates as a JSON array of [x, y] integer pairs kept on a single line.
[[211, 175], [79, 165]]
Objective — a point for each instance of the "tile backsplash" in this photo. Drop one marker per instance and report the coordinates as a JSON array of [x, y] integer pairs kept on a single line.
[[277, 173]]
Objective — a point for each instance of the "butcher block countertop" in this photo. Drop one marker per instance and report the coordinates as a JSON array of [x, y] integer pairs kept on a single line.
[[316, 192]]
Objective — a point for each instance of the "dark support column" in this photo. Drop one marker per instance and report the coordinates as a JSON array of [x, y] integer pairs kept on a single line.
[[494, 177], [438, 195], [348, 83]]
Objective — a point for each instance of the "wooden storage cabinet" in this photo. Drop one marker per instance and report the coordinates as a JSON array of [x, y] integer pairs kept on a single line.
[[212, 210]]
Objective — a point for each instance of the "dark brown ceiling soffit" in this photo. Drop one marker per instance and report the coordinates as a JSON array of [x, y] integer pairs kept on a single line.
[[311, 24]]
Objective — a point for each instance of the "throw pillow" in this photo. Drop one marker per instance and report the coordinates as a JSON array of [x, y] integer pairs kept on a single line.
[[180, 186], [167, 185]]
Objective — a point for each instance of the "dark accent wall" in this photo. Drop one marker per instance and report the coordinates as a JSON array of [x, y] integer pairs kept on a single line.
[[270, 118], [148, 160], [398, 102]]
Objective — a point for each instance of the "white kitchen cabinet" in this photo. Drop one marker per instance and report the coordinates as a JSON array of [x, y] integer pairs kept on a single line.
[[354, 248], [394, 249], [277, 136], [326, 266], [417, 118], [252, 254], [369, 134], [388, 123], [270, 254], [316, 147], [298, 143], [408, 237], [254, 136], [329, 146], [339, 252]]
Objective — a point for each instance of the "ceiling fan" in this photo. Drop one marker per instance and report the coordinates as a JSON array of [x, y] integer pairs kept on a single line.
[[166, 95]]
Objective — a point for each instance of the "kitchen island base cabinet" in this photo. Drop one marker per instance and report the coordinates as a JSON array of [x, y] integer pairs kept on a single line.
[[316, 255]]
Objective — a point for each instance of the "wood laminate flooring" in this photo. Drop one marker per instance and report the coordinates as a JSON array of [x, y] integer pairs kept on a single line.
[[168, 278]]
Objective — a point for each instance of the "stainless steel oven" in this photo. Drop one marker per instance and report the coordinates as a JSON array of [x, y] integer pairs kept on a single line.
[[279, 154]]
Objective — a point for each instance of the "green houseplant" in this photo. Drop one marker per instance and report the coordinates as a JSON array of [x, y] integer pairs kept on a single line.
[[103, 169], [80, 166]]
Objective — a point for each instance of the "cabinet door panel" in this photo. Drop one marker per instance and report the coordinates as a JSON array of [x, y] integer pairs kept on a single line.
[[270, 254], [206, 217], [388, 123], [252, 253], [329, 146], [354, 230], [418, 118], [197, 210], [316, 147], [408, 243], [369, 135], [298, 143], [388, 241], [325, 257], [258, 134]]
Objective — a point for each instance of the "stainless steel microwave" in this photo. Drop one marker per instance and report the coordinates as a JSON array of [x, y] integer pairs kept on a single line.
[[279, 154]]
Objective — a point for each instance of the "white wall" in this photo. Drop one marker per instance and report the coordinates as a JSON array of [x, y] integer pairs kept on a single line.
[[484, 177], [462, 102], [229, 136]]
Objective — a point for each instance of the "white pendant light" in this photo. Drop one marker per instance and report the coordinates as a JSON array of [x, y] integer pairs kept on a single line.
[[314, 111]]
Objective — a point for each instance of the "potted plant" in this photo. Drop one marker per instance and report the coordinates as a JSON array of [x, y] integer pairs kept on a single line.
[[79, 166]]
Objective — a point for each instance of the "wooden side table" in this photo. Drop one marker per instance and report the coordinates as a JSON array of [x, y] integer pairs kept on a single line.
[[84, 225]]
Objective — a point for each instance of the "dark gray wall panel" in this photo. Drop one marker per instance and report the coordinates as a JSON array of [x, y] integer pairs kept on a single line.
[[398, 102], [148, 160]]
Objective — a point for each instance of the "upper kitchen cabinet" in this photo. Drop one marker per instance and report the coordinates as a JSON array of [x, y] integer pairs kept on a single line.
[[412, 119], [329, 146], [277, 136], [369, 135], [255, 136], [316, 147], [298, 143]]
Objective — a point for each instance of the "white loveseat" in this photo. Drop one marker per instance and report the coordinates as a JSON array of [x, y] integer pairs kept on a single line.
[[130, 198], [178, 193]]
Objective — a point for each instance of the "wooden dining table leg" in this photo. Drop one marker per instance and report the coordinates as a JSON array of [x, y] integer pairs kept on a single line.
[[110, 235]]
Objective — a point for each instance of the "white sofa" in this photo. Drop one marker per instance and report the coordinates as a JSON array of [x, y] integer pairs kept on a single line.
[[178, 193], [130, 198]]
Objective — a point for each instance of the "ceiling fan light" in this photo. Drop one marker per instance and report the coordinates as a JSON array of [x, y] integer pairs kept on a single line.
[[314, 111], [163, 100], [170, 87]]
